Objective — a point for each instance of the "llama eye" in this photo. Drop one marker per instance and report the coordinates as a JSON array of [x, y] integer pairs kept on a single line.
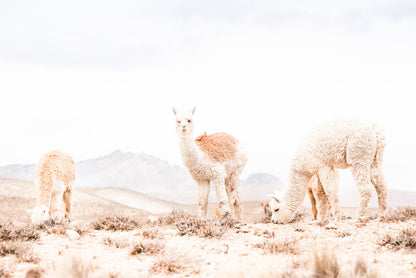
[[276, 209], [189, 121]]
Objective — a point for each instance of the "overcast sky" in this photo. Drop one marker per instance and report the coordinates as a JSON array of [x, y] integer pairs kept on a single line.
[[89, 77]]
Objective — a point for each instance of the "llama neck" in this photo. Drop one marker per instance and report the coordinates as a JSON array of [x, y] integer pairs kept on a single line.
[[296, 190], [189, 150]]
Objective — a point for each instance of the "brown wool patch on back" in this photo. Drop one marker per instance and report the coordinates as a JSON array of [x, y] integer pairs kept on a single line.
[[55, 165], [218, 146]]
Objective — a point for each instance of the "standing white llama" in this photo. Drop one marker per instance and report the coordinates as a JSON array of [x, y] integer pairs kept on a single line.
[[337, 144], [218, 157], [55, 174]]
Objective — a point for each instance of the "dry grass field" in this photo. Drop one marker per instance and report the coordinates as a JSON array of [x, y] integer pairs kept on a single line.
[[108, 238]]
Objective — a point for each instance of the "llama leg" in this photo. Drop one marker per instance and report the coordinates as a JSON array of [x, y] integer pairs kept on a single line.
[[203, 194], [361, 174], [56, 206], [377, 178], [222, 197], [68, 202], [328, 178], [313, 204], [233, 190], [322, 201]]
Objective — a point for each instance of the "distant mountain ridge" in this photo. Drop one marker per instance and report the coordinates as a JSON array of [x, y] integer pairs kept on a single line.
[[157, 178], [146, 174]]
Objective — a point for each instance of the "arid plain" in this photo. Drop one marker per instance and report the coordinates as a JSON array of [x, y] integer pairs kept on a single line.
[[121, 233]]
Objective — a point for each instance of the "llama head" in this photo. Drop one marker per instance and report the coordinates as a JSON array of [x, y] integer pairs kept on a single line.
[[280, 213], [184, 124], [39, 215]]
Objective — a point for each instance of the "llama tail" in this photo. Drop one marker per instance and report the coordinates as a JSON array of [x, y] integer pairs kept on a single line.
[[381, 143]]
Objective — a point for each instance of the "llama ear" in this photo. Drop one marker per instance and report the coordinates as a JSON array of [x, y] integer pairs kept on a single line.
[[193, 110], [174, 110], [275, 197]]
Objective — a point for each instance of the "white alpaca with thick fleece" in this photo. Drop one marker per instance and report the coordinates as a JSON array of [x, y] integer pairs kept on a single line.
[[218, 157], [337, 144]]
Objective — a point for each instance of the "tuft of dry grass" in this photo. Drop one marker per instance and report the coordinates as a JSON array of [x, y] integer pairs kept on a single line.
[[188, 224], [73, 266], [116, 242], [362, 270], [171, 262], [4, 273], [299, 216], [278, 245], [147, 247], [325, 266], [51, 227], [152, 233], [406, 238], [400, 215], [116, 223], [10, 232], [22, 251]]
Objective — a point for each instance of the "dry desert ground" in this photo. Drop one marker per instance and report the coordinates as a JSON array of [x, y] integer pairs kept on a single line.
[[119, 233]]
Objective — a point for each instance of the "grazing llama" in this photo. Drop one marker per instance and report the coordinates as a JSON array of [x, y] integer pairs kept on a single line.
[[217, 157], [337, 144], [55, 174]]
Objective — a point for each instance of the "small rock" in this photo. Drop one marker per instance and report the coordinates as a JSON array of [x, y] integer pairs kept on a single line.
[[331, 226], [73, 235]]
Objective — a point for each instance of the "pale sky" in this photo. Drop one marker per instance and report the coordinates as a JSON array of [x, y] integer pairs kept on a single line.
[[90, 77]]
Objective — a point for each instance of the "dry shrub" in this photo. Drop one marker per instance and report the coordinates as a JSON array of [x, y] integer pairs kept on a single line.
[[262, 268], [400, 215], [116, 223], [188, 224], [278, 245], [152, 233], [147, 247], [361, 270], [406, 238], [4, 273], [18, 233], [22, 251], [299, 216], [52, 227], [325, 266], [172, 262], [116, 242], [73, 266]]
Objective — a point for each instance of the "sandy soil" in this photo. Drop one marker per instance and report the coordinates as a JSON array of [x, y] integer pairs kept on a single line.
[[251, 249]]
